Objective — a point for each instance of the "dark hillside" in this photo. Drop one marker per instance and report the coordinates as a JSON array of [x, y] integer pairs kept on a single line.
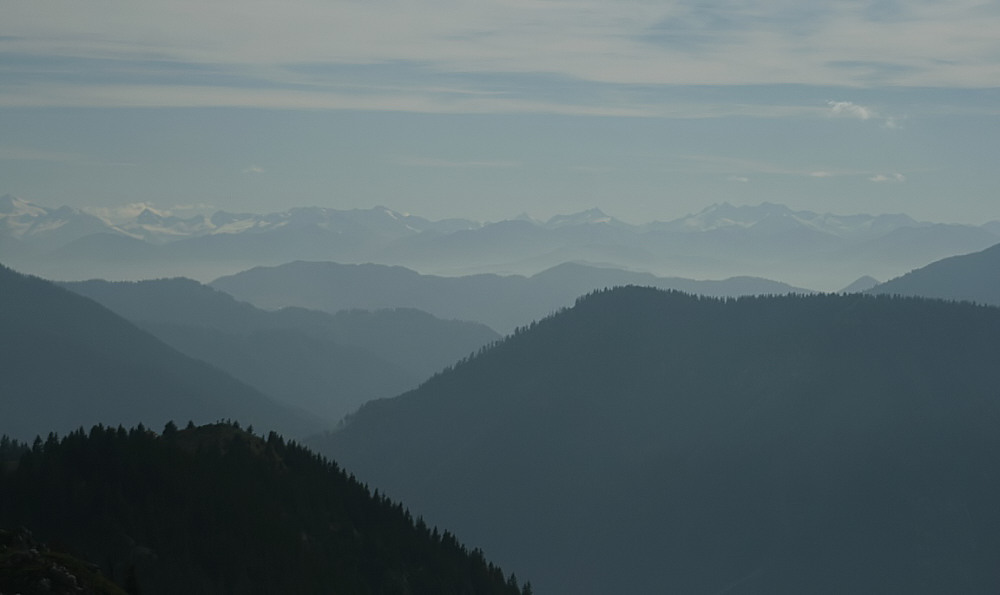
[[647, 441], [970, 277], [67, 362], [31, 568], [215, 509]]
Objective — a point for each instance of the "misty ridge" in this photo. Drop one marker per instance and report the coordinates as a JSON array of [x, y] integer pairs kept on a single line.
[[817, 251], [592, 406]]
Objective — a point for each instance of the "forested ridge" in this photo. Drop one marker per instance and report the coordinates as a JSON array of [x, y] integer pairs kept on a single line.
[[216, 509], [664, 442]]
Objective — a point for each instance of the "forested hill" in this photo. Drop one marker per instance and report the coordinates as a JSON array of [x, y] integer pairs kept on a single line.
[[215, 509], [28, 568], [661, 442]]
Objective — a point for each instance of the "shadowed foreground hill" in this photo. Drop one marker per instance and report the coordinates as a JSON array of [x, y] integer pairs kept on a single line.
[[654, 442], [67, 362], [30, 568], [214, 509]]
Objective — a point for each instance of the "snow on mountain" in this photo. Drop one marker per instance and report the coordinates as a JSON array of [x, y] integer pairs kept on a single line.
[[12, 206], [725, 215], [822, 251], [47, 227], [770, 217], [158, 228], [588, 217], [22, 219]]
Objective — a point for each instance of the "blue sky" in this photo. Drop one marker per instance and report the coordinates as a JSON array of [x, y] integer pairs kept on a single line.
[[489, 108]]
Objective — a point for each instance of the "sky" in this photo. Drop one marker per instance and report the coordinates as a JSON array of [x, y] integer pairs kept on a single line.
[[486, 109]]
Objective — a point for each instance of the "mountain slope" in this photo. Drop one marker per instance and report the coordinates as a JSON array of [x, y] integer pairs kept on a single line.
[[214, 509], [316, 375], [410, 339], [501, 302], [660, 442], [27, 566], [66, 362], [860, 285], [326, 364], [971, 277]]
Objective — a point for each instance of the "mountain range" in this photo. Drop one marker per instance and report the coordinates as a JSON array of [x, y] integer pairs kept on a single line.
[[68, 362], [968, 277], [646, 441], [808, 249], [501, 302], [326, 364]]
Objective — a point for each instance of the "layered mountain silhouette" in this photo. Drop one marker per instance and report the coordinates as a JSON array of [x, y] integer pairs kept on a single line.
[[67, 362], [969, 277], [655, 442], [322, 363], [861, 284], [215, 509], [501, 302], [817, 250]]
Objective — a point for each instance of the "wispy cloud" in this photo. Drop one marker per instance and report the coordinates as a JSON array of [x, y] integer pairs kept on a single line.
[[416, 99], [893, 177], [253, 169], [736, 167], [849, 109], [740, 169], [591, 169], [259, 48], [26, 154], [893, 123], [432, 162]]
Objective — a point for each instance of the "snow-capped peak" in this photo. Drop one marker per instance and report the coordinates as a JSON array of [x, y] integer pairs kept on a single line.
[[12, 206]]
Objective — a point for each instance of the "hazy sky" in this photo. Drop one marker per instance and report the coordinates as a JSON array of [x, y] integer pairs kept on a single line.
[[487, 108]]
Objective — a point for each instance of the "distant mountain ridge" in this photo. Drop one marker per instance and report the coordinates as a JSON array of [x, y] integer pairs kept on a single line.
[[28, 221], [820, 251], [969, 277], [860, 285], [327, 364], [67, 362], [501, 302]]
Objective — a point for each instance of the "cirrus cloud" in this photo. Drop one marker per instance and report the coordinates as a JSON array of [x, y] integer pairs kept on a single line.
[[292, 54], [893, 177]]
